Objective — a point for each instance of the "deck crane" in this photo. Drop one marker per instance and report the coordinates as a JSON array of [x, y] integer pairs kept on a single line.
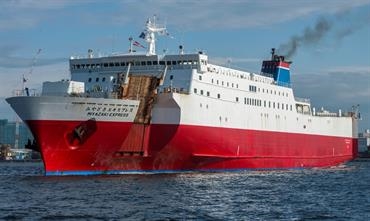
[[24, 89], [24, 79]]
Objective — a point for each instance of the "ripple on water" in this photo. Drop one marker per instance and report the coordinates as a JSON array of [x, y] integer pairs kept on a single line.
[[335, 193]]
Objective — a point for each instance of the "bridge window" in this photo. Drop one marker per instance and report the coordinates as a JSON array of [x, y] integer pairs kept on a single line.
[[97, 79]]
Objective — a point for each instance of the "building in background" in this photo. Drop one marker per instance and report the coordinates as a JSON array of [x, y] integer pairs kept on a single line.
[[7, 153], [14, 137], [13, 132], [364, 143]]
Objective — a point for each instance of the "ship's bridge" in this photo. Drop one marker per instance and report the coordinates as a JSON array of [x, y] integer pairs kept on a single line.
[[303, 105]]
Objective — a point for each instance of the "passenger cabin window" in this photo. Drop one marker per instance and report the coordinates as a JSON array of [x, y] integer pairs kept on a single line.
[[252, 88]]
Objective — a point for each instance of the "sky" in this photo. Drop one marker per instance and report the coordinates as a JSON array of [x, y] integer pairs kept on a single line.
[[328, 41]]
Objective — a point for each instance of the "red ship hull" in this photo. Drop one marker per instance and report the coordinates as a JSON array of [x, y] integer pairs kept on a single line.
[[115, 148]]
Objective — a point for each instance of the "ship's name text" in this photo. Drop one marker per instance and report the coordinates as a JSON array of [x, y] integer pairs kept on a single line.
[[98, 111]]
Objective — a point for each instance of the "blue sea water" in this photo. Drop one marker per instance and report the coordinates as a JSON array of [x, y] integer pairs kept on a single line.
[[336, 193]]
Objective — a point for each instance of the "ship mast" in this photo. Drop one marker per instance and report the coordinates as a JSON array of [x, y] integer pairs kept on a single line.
[[151, 28]]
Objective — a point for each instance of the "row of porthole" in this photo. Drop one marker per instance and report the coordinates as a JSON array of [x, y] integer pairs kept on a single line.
[[251, 87], [253, 102]]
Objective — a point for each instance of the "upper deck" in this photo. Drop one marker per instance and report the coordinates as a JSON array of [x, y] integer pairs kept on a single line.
[[137, 63]]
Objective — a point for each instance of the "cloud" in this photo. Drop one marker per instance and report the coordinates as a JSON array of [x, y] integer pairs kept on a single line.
[[186, 15], [18, 62], [234, 14], [337, 88], [337, 85], [9, 60], [226, 61], [341, 25], [21, 14], [11, 78]]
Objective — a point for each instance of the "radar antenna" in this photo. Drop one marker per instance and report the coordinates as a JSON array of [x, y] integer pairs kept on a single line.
[[152, 28]]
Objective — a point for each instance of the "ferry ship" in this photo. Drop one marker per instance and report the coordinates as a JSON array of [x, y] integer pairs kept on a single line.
[[149, 113]]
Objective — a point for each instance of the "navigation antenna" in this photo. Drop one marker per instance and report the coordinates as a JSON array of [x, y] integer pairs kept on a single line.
[[24, 79], [152, 28]]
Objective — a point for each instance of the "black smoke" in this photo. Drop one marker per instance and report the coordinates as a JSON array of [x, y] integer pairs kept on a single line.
[[309, 36], [336, 28]]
